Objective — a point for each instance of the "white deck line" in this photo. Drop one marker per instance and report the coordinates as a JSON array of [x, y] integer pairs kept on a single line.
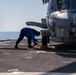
[[36, 73]]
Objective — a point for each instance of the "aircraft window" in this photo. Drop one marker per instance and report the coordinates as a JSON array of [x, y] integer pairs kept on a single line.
[[73, 4], [63, 4], [52, 6]]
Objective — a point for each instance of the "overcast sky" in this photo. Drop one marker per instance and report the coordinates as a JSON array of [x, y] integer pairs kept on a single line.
[[15, 13]]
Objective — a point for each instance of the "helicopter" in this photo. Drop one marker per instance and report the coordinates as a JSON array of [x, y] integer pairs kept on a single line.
[[60, 22]]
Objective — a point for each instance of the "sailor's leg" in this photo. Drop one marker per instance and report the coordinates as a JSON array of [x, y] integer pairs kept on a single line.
[[29, 42], [20, 38]]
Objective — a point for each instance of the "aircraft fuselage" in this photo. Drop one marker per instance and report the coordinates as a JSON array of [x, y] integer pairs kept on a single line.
[[61, 20]]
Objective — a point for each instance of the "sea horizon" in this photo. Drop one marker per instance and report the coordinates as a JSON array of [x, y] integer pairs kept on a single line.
[[12, 36]]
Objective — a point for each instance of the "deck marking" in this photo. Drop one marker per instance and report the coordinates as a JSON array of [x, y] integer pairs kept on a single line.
[[7, 53], [28, 57], [35, 73]]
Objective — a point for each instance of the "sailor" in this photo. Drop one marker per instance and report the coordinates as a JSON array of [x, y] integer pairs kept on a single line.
[[30, 34]]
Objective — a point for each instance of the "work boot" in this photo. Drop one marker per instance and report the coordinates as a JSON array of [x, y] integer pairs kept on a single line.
[[30, 46], [16, 47]]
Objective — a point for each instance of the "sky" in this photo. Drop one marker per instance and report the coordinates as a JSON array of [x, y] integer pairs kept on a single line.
[[15, 13]]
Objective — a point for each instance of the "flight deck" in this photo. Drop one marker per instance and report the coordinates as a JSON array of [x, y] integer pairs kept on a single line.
[[52, 60]]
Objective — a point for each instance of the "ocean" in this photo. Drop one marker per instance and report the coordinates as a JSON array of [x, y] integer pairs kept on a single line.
[[11, 36]]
